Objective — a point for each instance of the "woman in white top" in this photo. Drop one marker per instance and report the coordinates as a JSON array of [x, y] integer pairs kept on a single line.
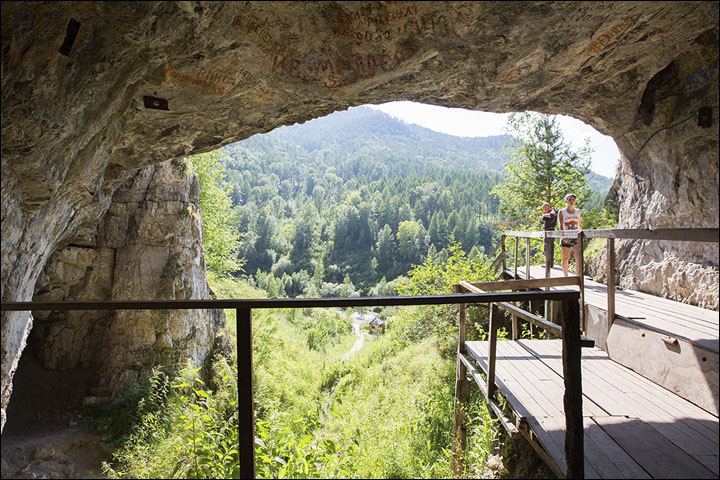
[[569, 219]]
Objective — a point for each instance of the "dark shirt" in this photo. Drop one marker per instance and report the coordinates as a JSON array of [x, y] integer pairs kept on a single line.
[[550, 221]]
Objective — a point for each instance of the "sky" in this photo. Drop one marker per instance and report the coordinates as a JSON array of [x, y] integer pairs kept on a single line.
[[469, 123]]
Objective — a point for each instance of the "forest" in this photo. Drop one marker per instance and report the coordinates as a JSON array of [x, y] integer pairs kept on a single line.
[[355, 203], [349, 202]]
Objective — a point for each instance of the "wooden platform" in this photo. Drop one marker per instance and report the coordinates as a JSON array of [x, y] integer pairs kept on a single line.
[[696, 325], [634, 428], [671, 343]]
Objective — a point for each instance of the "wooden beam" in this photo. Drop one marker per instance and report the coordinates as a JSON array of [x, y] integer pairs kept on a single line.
[[503, 253], [572, 399], [508, 424], [610, 281], [548, 259], [499, 260], [514, 233], [492, 338], [246, 421], [551, 328], [581, 275], [711, 235], [462, 398], [673, 234], [516, 257], [527, 259], [494, 250], [523, 284]]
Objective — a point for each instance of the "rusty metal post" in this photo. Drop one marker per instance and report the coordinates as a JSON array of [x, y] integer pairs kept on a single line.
[[610, 282], [462, 398], [527, 259], [572, 399], [246, 420], [492, 349]]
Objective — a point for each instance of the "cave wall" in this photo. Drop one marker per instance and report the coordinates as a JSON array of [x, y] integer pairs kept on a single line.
[[78, 119], [148, 245]]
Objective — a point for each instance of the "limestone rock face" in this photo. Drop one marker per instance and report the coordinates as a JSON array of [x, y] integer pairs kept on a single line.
[[148, 245], [93, 91]]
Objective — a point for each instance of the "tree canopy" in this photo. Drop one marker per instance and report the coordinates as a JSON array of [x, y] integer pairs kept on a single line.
[[542, 167]]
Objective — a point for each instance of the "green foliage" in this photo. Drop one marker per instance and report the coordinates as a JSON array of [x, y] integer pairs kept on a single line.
[[221, 236], [384, 413], [604, 218], [542, 168], [434, 277], [133, 410], [189, 431], [368, 201]]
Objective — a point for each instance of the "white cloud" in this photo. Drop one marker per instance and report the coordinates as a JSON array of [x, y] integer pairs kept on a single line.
[[469, 123]]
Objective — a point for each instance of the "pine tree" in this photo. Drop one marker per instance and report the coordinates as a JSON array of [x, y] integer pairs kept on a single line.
[[542, 168]]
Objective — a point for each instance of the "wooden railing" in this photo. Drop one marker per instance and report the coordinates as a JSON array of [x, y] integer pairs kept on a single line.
[[244, 337], [710, 235], [572, 342]]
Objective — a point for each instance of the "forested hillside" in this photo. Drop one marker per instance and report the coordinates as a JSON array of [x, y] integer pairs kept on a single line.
[[332, 206], [350, 204], [356, 196]]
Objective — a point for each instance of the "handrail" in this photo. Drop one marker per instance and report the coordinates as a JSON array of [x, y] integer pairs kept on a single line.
[[711, 235], [246, 433], [550, 327], [262, 303], [572, 342]]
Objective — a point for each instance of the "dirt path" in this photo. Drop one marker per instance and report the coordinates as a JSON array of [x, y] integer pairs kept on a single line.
[[360, 333], [45, 435]]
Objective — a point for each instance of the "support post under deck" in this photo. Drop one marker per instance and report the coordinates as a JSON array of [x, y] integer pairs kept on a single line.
[[462, 399], [572, 400], [246, 422]]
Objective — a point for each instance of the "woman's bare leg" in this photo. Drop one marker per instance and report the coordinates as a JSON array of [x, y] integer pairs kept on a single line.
[[576, 254], [565, 259]]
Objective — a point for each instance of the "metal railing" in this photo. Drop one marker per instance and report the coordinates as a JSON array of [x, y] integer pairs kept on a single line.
[[244, 339], [572, 342], [708, 235]]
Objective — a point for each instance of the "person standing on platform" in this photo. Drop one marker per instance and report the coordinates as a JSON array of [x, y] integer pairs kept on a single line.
[[549, 221], [569, 218]]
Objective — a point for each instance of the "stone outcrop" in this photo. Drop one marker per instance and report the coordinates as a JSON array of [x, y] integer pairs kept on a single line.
[[93, 91], [147, 246]]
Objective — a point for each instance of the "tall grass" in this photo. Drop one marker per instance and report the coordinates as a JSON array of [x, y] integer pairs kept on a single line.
[[384, 413]]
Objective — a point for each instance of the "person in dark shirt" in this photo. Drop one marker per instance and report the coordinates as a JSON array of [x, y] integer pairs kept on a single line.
[[549, 221]]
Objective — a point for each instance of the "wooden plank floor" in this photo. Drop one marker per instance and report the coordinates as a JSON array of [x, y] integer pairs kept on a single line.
[[634, 428], [689, 322]]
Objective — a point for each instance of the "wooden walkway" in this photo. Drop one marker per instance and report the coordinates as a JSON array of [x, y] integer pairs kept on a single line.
[[694, 324], [633, 428]]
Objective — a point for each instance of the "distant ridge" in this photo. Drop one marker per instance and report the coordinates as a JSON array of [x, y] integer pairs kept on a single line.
[[353, 129]]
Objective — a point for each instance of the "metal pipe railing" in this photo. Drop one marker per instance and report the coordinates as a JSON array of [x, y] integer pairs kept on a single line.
[[244, 331], [707, 235]]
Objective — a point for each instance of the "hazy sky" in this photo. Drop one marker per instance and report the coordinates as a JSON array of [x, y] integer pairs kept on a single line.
[[467, 123]]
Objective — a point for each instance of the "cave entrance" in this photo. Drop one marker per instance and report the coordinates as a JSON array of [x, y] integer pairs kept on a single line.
[[45, 400]]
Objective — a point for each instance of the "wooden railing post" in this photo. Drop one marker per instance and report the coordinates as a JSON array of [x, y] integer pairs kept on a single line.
[[581, 275], [515, 331], [246, 420], [492, 338], [610, 282], [516, 257], [462, 398], [548, 258], [503, 254], [572, 400], [527, 259]]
